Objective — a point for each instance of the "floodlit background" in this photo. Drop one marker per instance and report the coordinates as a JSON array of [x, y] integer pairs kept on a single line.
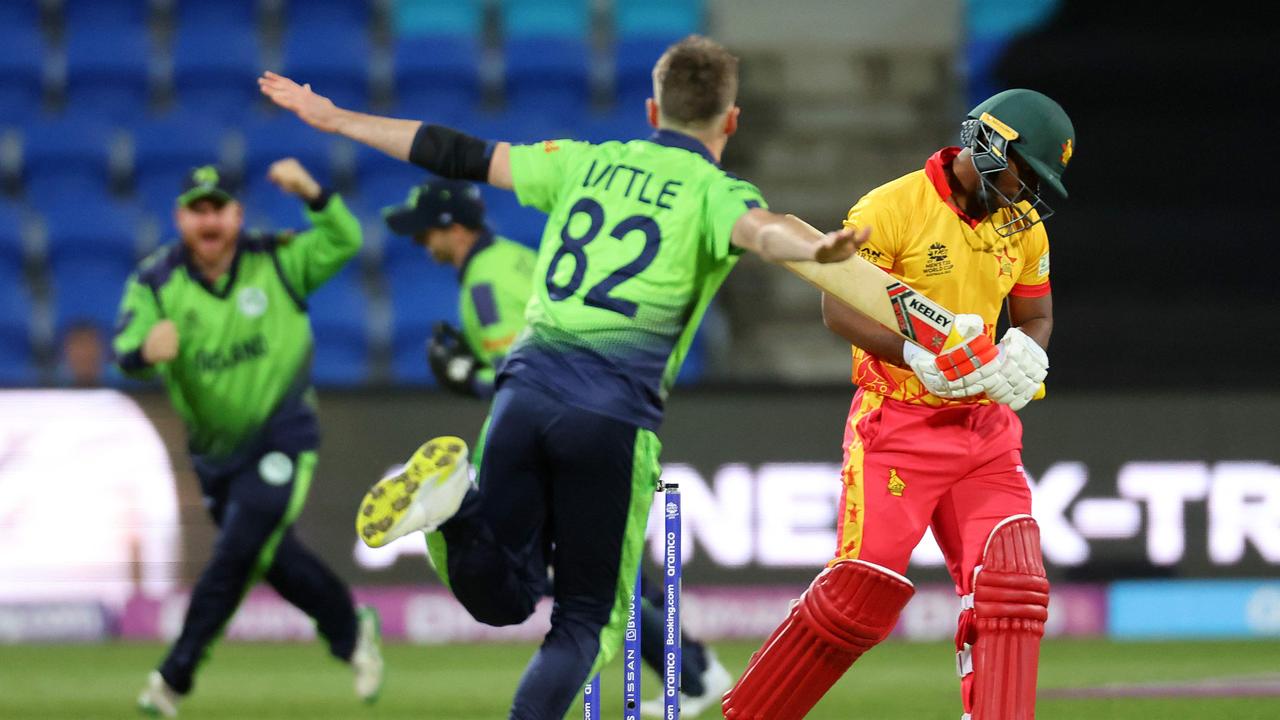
[[1154, 462]]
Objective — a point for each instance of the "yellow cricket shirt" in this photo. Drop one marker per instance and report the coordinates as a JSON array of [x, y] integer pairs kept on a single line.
[[921, 238]]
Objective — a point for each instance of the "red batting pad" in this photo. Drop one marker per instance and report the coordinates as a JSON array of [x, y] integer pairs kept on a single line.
[[967, 357], [1010, 604], [848, 608]]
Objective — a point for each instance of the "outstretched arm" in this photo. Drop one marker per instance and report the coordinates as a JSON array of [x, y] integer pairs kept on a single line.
[[782, 238], [441, 150]]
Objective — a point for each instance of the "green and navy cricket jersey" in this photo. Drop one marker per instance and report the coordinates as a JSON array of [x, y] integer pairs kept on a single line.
[[495, 281], [636, 243], [242, 377]]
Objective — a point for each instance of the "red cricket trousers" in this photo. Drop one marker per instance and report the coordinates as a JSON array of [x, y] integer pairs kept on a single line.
[[955, 469]]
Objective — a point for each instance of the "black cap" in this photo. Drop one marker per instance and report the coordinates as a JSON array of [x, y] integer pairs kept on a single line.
[[206, 182], [436, 203]]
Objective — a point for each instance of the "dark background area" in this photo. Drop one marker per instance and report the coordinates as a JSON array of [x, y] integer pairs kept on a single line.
[[1163, 270]]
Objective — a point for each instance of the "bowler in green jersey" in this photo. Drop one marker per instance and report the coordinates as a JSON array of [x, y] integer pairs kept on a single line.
[[447, 217], [221, 318], [639, 236]]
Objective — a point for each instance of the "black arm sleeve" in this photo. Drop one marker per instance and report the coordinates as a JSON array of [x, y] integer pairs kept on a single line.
[[451, 154]]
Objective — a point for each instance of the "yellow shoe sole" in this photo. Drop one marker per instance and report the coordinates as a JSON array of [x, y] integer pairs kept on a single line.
[[386, 502]]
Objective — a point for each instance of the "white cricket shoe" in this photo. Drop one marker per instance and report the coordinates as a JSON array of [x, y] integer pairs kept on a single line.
[[366, 659], [424, 495], [716, 681], [157, 698]]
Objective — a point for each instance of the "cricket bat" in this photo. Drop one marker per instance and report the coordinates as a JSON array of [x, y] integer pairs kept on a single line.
[[867, 288]]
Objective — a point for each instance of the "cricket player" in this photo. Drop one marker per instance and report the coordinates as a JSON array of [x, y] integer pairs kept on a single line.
[[935, 442], [447, 217], [221, 318], [495, 275], [639, 236]]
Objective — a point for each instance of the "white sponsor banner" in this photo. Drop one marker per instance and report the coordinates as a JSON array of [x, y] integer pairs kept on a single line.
[[88, 507], [783, 515]]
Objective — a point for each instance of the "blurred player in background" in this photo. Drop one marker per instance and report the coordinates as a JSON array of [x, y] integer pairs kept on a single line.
[[447, 217], [639, 236], [934, 442], [84, 356], [221, 318], [494, 274]]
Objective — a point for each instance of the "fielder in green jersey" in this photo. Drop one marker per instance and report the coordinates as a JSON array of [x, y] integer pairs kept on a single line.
[[221, 318], [494, 277], [640, 235]]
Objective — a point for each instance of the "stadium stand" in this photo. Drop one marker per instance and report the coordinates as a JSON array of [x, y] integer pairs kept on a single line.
[[339, 321], [153, 88], [438, 76], [22, 52], [414, 18], [108, 73], [421, 293], [16, 353], [12, 249], [214, 64]]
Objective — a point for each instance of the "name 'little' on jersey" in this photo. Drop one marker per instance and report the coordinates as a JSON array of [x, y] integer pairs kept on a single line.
[[636, 244]]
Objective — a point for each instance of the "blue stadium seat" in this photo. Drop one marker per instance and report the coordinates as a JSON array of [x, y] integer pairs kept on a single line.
[[268, 208], [12, 252], [22, 53], [383, 180], [351, 14], [657, 18], [695, 362], [333, 58], [176, 142], [438, 17], [270, 138], [518, 128], [200, 13], [422, 293], [16, 366], [157, 193], [622, 124], [69, 150], [509, 218], [437, 76], [547, 77], [21, 14], [215, 67], [339, 320], [108, 15], [107, 72], [92, 228], [88, 289], [569, 19], [633, 70], [58, 194]]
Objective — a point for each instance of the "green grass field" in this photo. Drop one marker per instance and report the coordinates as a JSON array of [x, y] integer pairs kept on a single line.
[[458, 682]]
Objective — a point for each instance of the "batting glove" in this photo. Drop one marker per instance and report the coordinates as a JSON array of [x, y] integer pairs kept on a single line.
[[1023, 366], [961, 371]]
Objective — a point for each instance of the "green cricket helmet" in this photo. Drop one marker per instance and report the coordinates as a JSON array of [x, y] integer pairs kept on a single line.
[[1034, 127]]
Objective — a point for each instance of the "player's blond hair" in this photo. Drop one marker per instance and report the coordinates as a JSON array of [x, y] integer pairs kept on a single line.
[[695, 81]]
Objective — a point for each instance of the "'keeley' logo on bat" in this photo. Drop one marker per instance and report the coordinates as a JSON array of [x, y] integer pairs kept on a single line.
[[919, 319], [930, 311]]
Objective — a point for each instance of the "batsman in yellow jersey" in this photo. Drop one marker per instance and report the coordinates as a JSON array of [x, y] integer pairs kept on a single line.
[[934, 441]]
